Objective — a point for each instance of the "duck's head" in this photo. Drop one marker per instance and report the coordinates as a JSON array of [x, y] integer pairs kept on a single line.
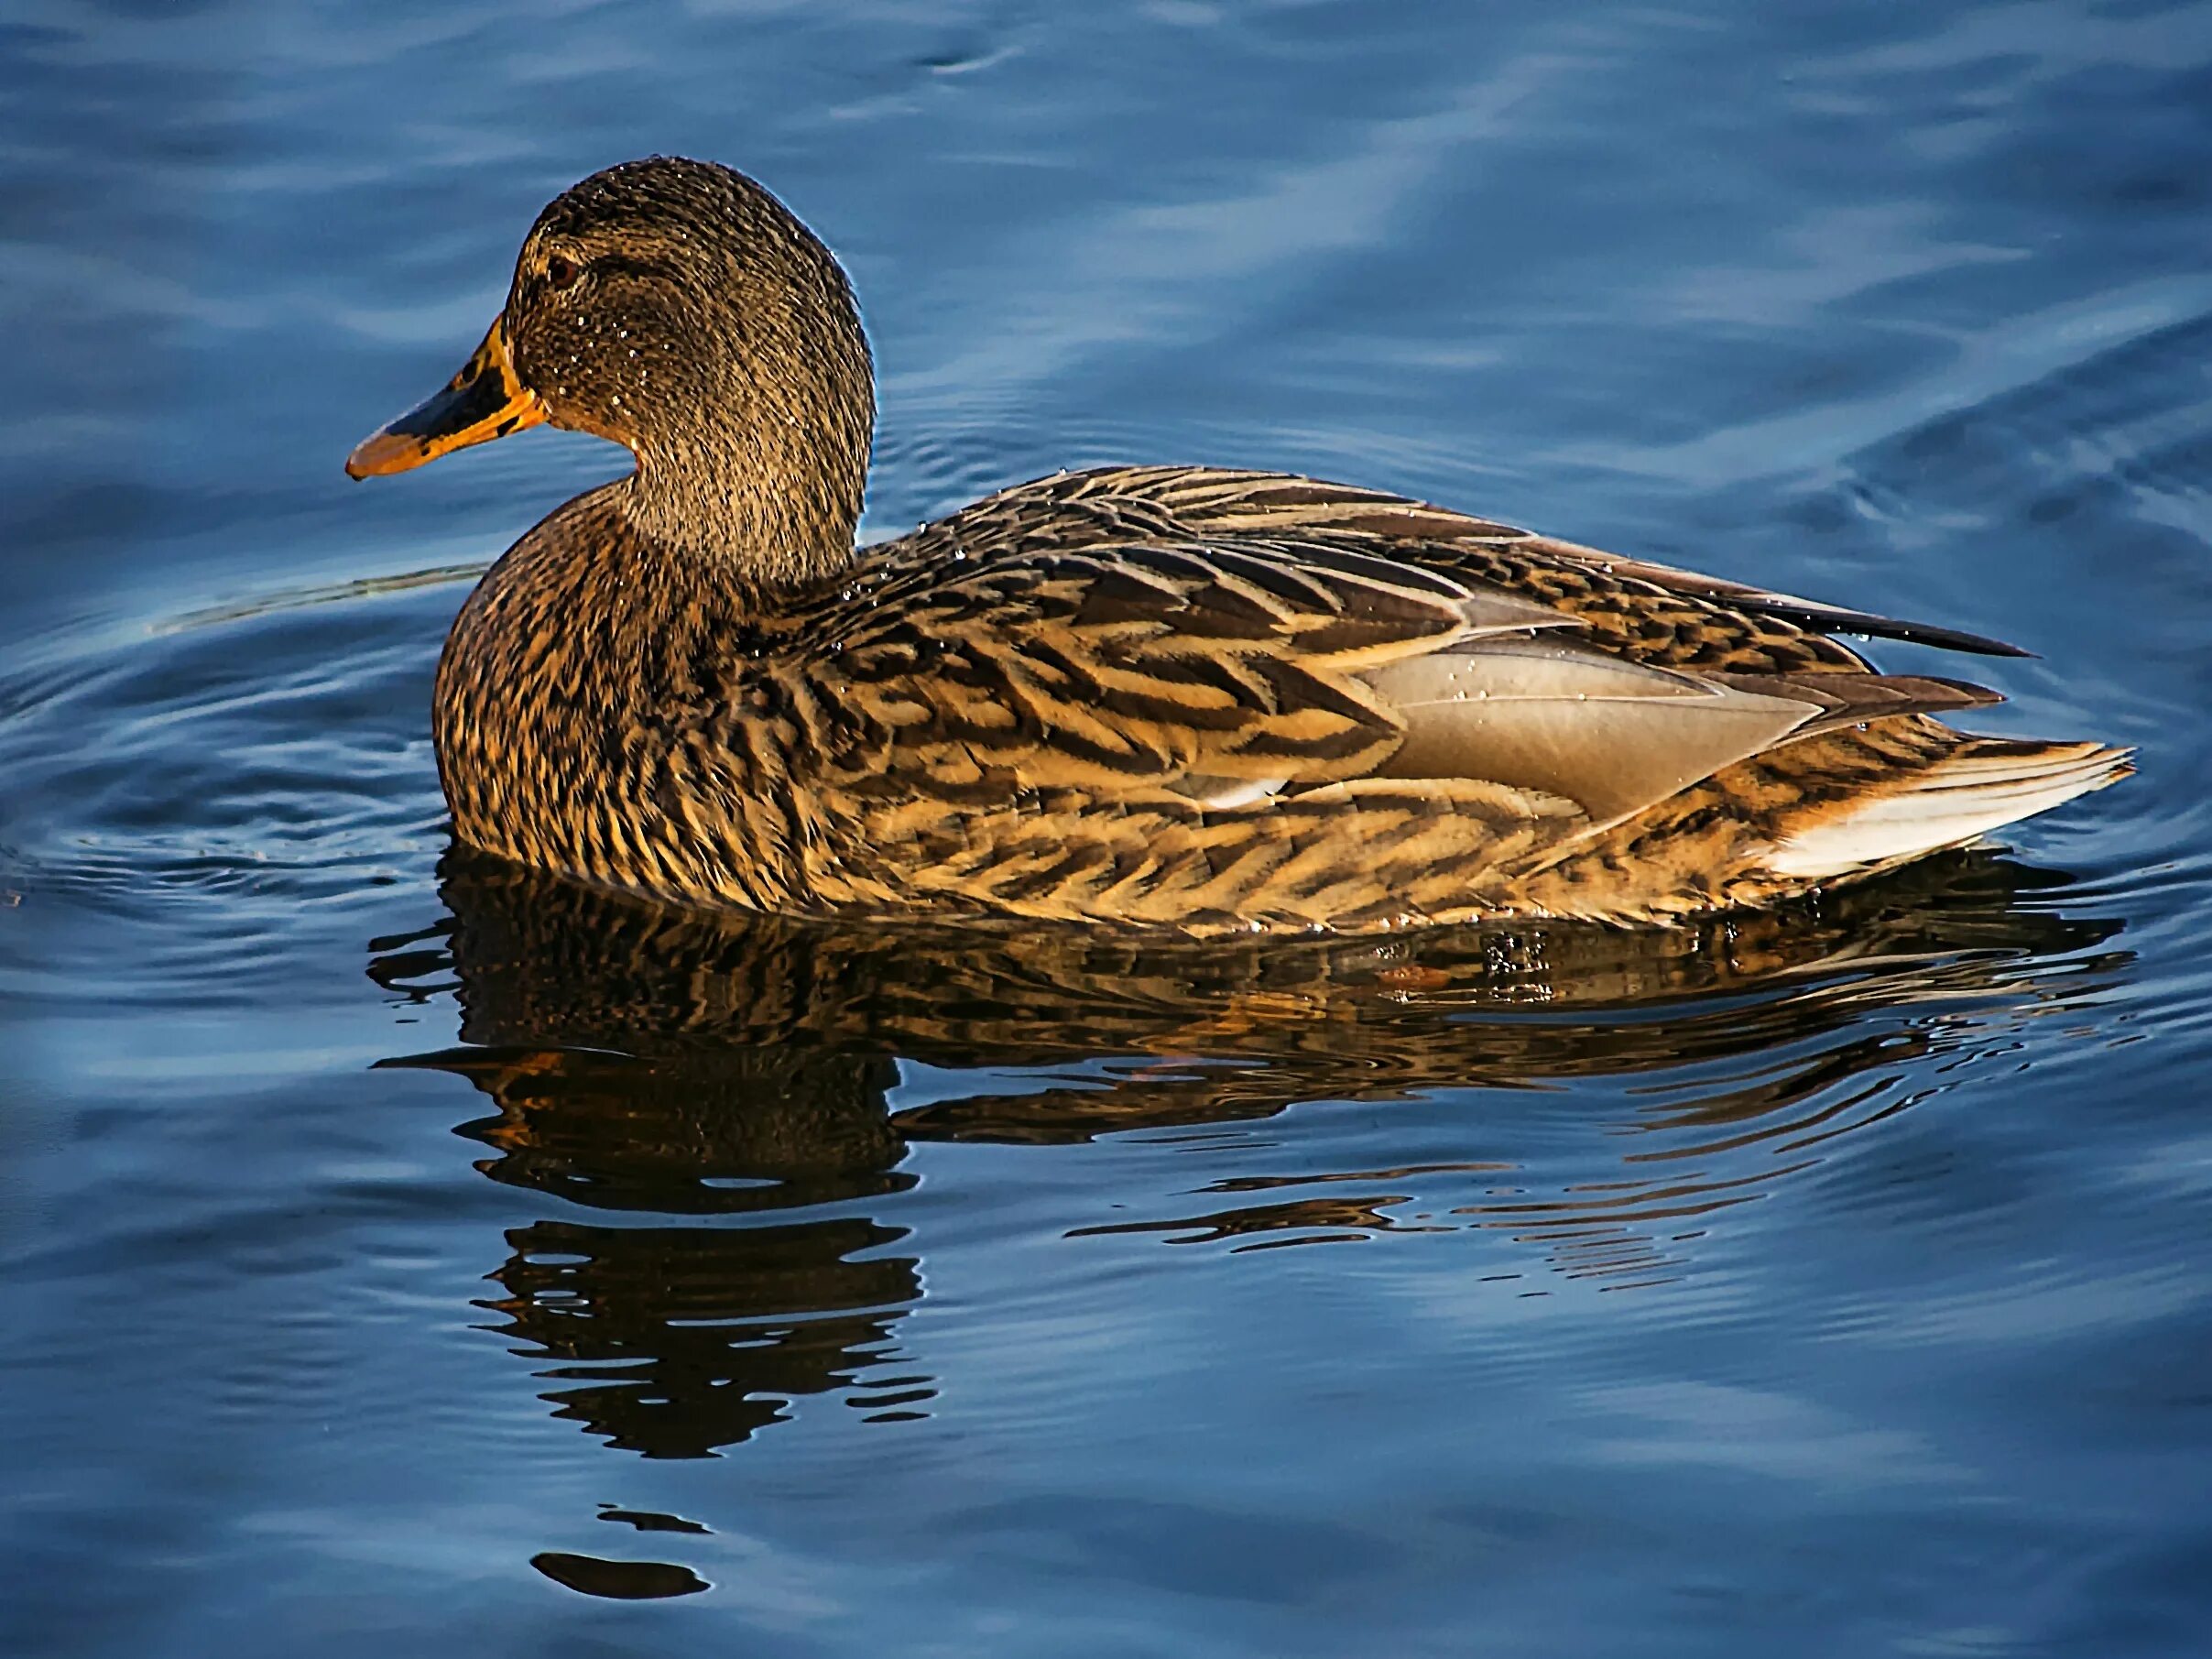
[[679, 309]]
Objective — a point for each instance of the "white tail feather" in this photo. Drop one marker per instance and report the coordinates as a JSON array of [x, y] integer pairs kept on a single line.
[[1948, 805]]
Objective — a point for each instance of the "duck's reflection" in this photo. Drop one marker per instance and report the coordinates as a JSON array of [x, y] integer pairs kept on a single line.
[[676, 1340], [742, 1074]]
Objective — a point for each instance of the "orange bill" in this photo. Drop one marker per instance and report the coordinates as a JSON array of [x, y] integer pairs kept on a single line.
[[484, 401]]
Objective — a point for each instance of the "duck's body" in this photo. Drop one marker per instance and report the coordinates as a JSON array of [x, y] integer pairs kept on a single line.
[[1177, 697]]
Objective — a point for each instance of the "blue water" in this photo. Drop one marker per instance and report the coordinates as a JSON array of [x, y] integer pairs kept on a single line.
[[402, 1255]]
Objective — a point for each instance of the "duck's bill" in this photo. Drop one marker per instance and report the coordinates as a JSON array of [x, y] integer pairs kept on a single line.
[[484, 401]]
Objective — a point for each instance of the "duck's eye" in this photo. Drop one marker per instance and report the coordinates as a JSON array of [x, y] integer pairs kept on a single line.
[[562, 271]]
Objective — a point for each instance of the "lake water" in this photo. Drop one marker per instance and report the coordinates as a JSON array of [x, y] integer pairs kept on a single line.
[[402, 1255]]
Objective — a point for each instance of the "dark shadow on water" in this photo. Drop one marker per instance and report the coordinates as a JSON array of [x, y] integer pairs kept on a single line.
[[735, 1080]]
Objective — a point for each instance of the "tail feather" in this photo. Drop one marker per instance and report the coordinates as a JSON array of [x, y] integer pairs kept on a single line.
[[1988, 782]]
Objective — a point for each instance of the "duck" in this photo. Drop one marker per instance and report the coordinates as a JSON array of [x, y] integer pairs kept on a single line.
[[1193, 699]]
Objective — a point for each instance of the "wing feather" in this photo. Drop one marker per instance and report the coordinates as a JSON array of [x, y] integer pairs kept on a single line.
[[1238, 637]]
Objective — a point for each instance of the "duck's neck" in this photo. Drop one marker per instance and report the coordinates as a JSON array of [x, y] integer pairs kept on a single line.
[[775, 504], [769, 519]]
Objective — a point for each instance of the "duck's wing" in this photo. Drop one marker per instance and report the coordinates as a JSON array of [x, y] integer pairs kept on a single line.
[[1241, 637]]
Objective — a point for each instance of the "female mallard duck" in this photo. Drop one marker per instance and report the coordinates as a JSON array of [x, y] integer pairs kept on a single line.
[[1180, 696]]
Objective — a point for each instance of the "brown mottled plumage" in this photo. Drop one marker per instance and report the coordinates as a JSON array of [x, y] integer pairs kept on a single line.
[[1177, 696]]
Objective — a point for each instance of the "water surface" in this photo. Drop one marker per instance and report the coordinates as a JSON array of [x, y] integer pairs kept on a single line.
[[401, 1253]]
